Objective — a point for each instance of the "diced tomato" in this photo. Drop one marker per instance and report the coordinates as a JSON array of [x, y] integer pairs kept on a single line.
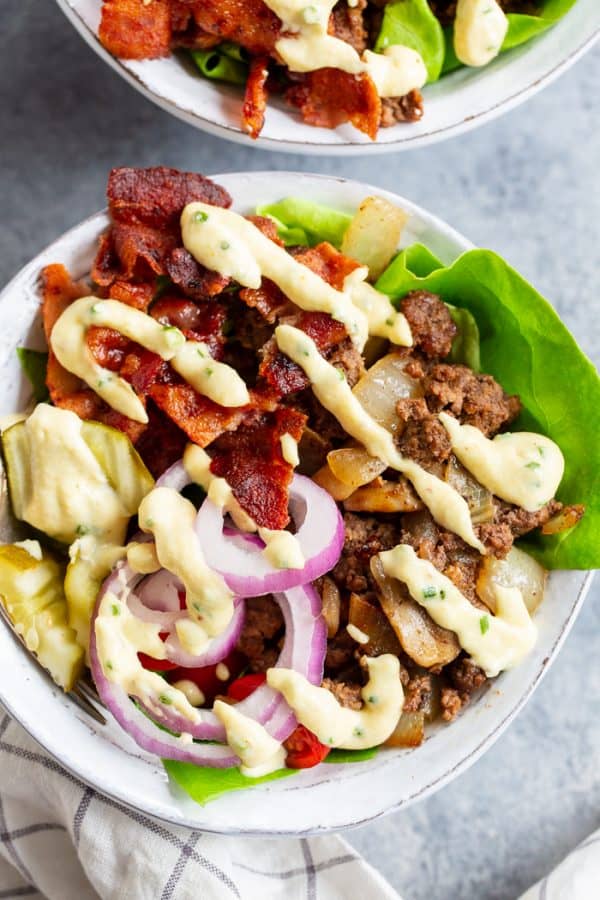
[[206, 676], [157, 665], [304, 749], [246, 685]]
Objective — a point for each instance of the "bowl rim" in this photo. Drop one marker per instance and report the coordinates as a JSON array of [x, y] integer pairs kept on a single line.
[[101, 783], [323, 148]]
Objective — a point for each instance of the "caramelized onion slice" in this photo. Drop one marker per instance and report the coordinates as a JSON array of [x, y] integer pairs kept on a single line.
[[373, 622], [409, 732], [383, 385], [424, 641], [517, 569], [384, 497], [374, 234], [567, 518], [331, 604], [479, 499], [334, 487], [353, 466]]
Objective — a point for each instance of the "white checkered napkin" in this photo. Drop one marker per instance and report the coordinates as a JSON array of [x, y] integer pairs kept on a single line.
[[61, 840]]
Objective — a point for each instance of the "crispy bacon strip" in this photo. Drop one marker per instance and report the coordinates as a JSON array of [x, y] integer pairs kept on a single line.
[[133, 29], [330, 97], [156, 197], [200, 418], [251, 461], [249, 23], [328, 263], [142, 251], [193, 279], [198, 322], [255, 97], [137, 295], [58, 291]]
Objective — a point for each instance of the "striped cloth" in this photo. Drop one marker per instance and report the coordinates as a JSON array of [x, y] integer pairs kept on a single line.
[[61, 840]]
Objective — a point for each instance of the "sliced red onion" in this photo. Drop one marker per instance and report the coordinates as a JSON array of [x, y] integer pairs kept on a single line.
[[319, 531], [155, 599], [144, 731], [175, 477], [217, 649]]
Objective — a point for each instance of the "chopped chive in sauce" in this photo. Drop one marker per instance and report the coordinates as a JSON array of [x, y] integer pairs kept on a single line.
[[208, 372], [200, 216], [163, 698], [201, 354], [373, 698], [115, 610], [224, 245], [389, 322], [82, 530], [108, 665], [484, 624], [442, 594], [149, 523], [532, 465], [341, 374], [357, 732], [429, 592]]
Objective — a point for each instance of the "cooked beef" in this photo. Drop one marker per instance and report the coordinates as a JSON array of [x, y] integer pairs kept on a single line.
[[474, 399], [348, 24], [365, 537], [340, 652], [423, 437], [408, 108], [417, 693], [345, 356], [260, 636], [466, 678], [346, 693], [520, 521], [430, 323]]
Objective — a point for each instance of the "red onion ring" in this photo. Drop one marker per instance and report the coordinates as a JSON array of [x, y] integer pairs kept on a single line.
[[218, 648], [319, 531]]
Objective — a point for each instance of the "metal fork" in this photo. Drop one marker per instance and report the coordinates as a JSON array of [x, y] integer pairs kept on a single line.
[[84, 694]]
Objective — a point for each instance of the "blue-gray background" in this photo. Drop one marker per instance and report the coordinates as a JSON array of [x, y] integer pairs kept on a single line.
[[527, 186]]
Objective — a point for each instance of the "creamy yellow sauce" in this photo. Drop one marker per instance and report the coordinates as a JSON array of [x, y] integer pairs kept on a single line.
[[120, 636], [170, 518], [142, 557], [191, 359], [357, 634], [480, 27], [383, 318], [259, 753], [337, 726], [307, 46], [68, 492], [521, 467], [282, 549], [445, 504], [494, 642], [289, 449]]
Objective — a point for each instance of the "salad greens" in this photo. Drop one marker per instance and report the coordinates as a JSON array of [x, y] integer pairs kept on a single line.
[[413, 24], [34, 364], [220, 64], [204, 784], [313, 222], [527, 348]]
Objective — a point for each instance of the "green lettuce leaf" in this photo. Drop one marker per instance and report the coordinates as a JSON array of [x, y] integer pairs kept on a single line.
[[466, 344], [204, 784], [531, 353], [350, 756], [34, 364], [521, 28], [413, 24], [316, 222]]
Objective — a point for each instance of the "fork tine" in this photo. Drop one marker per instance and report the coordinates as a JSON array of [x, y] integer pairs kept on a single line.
[[88, 689], [82, 699]]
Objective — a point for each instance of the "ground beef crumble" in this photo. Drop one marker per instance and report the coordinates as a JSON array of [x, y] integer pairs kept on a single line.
[[262, 628], [346, 693], [365, 536], [474, 399], [466, 678], [430, 323]]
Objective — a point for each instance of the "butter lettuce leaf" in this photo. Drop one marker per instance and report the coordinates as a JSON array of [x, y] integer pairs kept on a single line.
[[526, 347], [204, 784], [521, 28], [413, 24], [34, 364], [313, 222]]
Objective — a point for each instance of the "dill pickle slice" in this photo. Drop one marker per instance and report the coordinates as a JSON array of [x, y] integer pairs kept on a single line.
[[31, 590]]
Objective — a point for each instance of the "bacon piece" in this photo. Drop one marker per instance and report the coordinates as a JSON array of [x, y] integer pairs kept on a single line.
[[133, 29], [328, 263], [199, 323], [106, 265], [193, 279], [161, 443], [329, 97], [84, 403], [142, 369], [137, 295], [156, 197], [255, 97], [108, 347], [268, 228], [142, 251], [58, 291], [251, 461], [249, 23], [283, 375], [200, 418], [268, 299]]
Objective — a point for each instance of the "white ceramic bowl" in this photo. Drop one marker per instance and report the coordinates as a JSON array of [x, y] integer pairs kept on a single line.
[[457, 103], [331, 796]]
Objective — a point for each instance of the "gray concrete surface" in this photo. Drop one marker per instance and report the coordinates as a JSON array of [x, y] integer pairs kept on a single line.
[[527, 186]]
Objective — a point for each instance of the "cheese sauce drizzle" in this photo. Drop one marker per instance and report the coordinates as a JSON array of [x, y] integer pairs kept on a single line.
[[191, 359], [521, 467], [333, 391], [282, 549], [170, 518], [120, 636], [494, 642], [337, 726], [480, 27], [226, 242], [307, 46], [259, 753]]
